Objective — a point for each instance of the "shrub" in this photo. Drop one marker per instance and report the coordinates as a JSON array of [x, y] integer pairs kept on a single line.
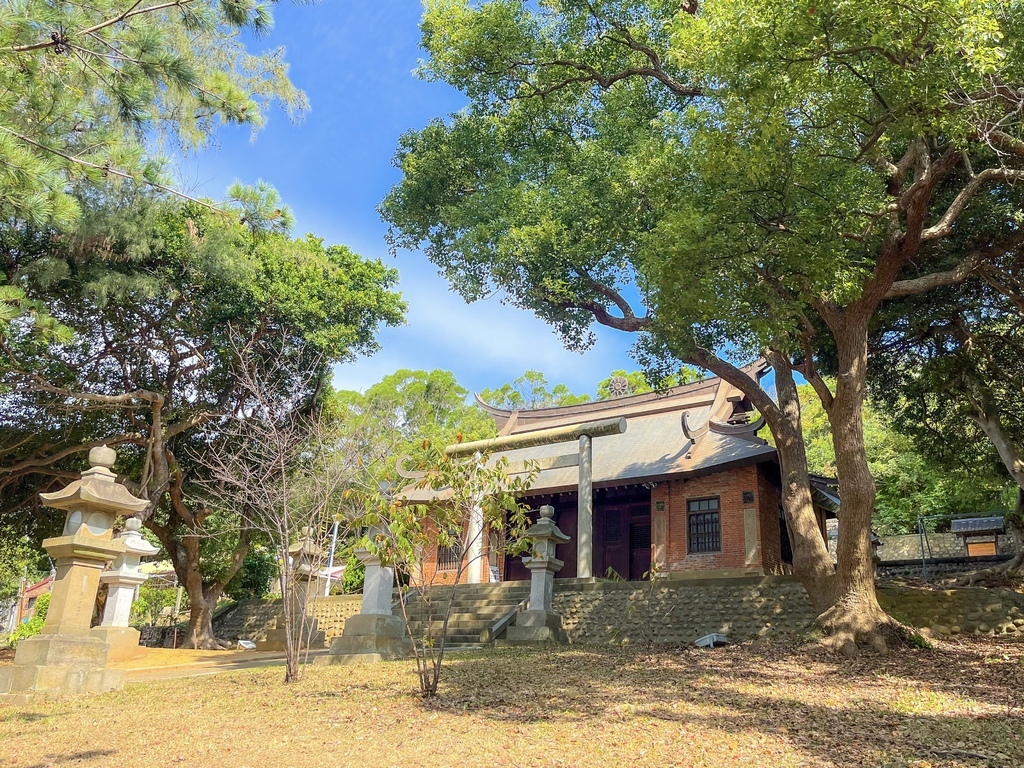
[[150, 602], [34, 625], [253, 579], [355, 572]]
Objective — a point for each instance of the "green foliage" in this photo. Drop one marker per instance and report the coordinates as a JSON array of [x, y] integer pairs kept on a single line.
[[396, 416], [20, 556], [168, 303], [910, 481], [92, 90], [352, 579], [945, 367], [151, 601], [531, 391], [253, 579], [34, 625]]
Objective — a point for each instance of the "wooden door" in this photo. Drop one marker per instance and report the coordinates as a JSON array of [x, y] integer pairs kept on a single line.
[[639, 547]]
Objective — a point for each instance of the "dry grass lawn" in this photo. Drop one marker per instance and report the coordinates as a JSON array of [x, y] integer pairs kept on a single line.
[[960, 704]]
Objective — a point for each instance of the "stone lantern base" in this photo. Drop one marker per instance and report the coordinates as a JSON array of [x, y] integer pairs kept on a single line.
[[368, 638], [123, 642], [60, 664], [534, 627]]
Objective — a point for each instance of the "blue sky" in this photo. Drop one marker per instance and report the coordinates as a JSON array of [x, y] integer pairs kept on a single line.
[[355, 60]]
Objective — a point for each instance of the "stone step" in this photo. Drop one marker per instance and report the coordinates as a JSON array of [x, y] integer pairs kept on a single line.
[[479, 591], [453, 627], [475, 597], [491, 612]]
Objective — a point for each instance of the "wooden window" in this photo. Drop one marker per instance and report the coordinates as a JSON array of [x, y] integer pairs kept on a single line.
[[449, 557], [704, 526]]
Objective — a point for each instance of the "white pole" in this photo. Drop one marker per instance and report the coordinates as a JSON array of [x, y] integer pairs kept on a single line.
[[330, 559]]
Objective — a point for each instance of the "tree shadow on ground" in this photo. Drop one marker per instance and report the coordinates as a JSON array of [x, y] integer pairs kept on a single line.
[[74, 757], [876, 711]]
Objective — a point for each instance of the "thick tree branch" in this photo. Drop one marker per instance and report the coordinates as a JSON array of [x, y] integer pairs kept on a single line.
[[963, 270], [944, 226]]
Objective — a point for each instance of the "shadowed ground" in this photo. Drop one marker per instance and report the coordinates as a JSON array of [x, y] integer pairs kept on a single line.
[[960, 704]]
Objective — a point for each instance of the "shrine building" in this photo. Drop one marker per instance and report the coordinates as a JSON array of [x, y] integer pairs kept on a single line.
[[680, 485]]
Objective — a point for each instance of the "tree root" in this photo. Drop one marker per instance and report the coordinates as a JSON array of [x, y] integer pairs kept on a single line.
[[848, 630], [1010, 568]]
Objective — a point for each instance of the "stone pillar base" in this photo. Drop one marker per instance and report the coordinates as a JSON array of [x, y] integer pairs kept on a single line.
[[60, 664], [123, 642], [368, 637], [276, 640], [534, 627]]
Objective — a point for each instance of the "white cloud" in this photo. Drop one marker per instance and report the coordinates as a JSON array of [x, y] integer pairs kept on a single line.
[[485, 344]]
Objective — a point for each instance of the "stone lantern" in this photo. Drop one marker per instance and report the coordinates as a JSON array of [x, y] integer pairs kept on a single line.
[[66, 658], [306, 557], [122, 579], [373, 634], [540, 623]]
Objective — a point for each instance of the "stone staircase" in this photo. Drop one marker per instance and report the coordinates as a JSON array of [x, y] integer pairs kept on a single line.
[[475, 610]]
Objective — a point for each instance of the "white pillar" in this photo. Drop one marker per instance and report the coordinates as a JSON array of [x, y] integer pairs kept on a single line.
[[585, 511], [475, 553]]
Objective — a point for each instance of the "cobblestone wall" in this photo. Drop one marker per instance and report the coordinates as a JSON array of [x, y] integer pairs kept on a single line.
[[674, 614], [977, 610], [331, 612], [942, 545], [679, 613], [250, 619]]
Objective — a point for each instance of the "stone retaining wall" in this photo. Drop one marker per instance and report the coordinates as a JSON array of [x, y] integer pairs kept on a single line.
[[970, 610], [250, 619], [940, 545], [678, 613], [332, 611]]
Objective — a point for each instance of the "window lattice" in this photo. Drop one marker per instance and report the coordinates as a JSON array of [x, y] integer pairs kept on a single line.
[[705, 530]]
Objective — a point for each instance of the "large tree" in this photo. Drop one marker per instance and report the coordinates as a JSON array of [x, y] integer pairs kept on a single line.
[[165, 302], [758, 177], [531, 391], [394, 418]]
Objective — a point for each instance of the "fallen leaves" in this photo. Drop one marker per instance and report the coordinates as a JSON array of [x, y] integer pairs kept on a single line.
[[955, 706]]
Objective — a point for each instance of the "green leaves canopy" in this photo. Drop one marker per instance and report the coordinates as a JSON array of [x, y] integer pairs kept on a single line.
[[734, 165], [89, 90]]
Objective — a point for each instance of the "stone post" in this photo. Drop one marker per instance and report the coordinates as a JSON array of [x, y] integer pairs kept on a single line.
[[540, 623], [306, 557], [373, 634], [66, 658], [585, 511], [122, 578], [475, 553]]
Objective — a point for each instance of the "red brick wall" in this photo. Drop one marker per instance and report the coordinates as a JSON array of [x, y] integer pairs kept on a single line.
[[429, 572], [728, 487], [769, 496]]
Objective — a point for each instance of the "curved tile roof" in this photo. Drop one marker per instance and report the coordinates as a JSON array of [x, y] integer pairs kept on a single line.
[[654, 445]]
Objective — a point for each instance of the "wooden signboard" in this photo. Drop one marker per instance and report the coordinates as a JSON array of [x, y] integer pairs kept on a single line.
[[980, 548]]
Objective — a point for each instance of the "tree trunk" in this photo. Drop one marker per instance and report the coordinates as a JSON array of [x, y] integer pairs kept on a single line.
[[202, 597], [811, 561], [854, 616], [989, 420]]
